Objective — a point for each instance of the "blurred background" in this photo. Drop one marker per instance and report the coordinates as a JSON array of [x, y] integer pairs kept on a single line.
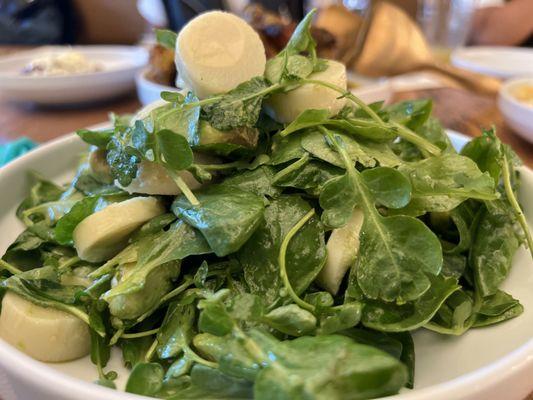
[[393, 50]]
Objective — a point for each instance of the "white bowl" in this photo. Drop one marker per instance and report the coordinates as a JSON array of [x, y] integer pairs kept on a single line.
[[517, 114], [484, 364], [120, 64], [149, 91]]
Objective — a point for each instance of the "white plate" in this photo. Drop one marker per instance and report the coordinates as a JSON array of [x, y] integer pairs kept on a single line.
[[501, 62], [484, 364], [120, 64]]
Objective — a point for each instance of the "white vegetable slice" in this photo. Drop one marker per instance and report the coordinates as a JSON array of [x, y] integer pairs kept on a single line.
[[103, 234], [152, 178], [217, 51], [342, 247], [45, 334], [285, 107]]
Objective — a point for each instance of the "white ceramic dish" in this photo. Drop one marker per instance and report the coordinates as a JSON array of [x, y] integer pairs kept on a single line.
[[120, 64], [484, 364], [149, 91], [501, 62], [516, 113]]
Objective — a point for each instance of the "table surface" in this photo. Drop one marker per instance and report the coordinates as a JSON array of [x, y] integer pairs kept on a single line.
[[457, 109]]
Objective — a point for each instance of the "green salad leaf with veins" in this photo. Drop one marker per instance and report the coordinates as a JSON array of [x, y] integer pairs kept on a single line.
[[219, 294]]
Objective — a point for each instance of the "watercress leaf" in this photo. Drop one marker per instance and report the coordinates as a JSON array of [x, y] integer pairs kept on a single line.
[[339, 318], [365, 152], [258, 181], [82, 209], [397, 256], [176, 330], [387, 342], [338, 199], [310, 177], [145, 379], [484, 320], [259, 256], [389, 187], [42, 191], [389, 317], [122, 157], [319, 299], [175, 149], [497, 308], [442, 183], [486, 152], [97, 138], [239, 107], [226, 216], [285, 149], [306, 119], [166, 38], [455, 316], [238, 142], [211, 383], [493, 246], [134, 350], [246, 307], [291, 320], [308, 367], [411, 113], [214, 319]]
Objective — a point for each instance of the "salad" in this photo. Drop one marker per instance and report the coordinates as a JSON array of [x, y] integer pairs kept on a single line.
[[274, 239]]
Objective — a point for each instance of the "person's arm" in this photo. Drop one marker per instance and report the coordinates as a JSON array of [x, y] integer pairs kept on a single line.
[[508, 25]]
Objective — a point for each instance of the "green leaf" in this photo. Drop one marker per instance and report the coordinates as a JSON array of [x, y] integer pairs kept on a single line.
[[411, 113], [166, 38], [339, 318], [396, 254], [389, 317], [81, 210], [175, 149], [285, 149], [146, 379], [308, 118], [455, 316], [258, 181], [497, 308], [176, 330], [442, 183], [42, 191], [226, 216], [134, 350], [338, 200], [214, 319], [239, 107], [236, 142], [308, 367], [310, 177], [389, 187], [494, 244], [96, 138], [259, 256], [486, 152], [291, 320], [122, 157]]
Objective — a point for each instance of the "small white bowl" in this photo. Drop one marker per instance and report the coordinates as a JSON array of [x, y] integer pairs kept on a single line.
[[517, 114], [149, 91]]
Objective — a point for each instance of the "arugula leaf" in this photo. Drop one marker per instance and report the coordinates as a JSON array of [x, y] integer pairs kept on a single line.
[[42, 192], [96, 138], [259, 255], [122, 157], [389, 317], [227, 216], [258, 181], [174, 149], [238, 107], [396, 254], [411, 113], [494, 244], [442, 183]]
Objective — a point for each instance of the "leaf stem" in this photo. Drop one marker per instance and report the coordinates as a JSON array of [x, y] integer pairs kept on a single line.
[[69, 263], [282, 261], [151, 351], [183, 187], [412, 137], [287, 170], [8, 267], [139, 334], [514, 203]]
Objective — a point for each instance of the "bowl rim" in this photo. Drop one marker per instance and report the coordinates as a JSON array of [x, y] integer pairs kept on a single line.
[[505, 92], [40, 375]]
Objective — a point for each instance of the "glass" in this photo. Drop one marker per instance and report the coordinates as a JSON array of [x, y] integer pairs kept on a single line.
[[445, 23]]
